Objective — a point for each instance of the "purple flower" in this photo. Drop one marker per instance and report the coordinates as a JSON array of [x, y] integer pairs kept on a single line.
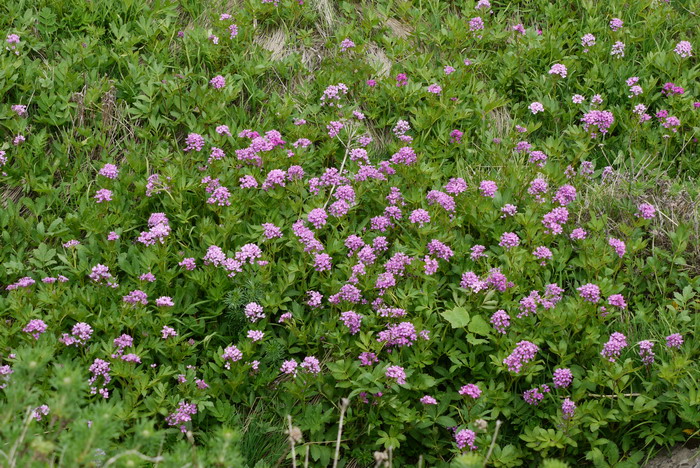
[[542, 253], [103, 195], [558, 69], [36, 327], [231, 354], [182, 415], [255, 335], [164, 301], [195, 142], [618, 49], [523, 353], [616, 23], [464, 438], [488, 188], [318, 217], [367, 359], [562, 378], [536, 107], [470, 390], [646, 352], [600, 120], [684, 49], [402, 334], [346, 44], [254, 312], [568, 408], [476, 24], [509, 240], [500, 321], [434, 89], [168, 332], [428, 400], [589, 292], [322, 262], [311, 365], [351, 320], [617, 300], [618, 245], [674, 341], [110, 171], [646, 211], [578, 234], [420, 217], [613, 348], [397, 373]]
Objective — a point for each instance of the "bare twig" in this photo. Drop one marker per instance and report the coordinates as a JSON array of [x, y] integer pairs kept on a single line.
[[343, 406], [493, 441], [291, 442], [134, 452]]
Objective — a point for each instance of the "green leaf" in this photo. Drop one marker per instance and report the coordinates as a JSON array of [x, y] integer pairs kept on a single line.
[[457, 317], [479, 326]]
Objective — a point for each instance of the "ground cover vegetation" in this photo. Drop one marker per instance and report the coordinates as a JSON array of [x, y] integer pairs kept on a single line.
[[314, 233]]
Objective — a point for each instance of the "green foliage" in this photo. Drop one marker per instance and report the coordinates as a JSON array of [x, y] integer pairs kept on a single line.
[[114, 82]]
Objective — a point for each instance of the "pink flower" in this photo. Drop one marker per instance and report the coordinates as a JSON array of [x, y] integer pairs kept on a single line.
[[110, 171], [558, 69], [434, 89], [684, 49], [523, 353], [397, 373], [618, 245], [168, 332], [254, 312], [488, 188], [464, 438], [346, 44], [536, 107], [616, 23], [35, 327], [646, 211], [509, 240], [255, 335], [164, 301], [674, 341], [613, 348], [500, 321], [428, 400], [351, 320], [470, 390], [562, 378], [103, 195], [589, 292]]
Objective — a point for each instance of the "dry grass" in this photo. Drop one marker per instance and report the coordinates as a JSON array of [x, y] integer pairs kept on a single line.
[[501, 120], [674, 207], [275, 42], [399, 29], [378, 59]]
